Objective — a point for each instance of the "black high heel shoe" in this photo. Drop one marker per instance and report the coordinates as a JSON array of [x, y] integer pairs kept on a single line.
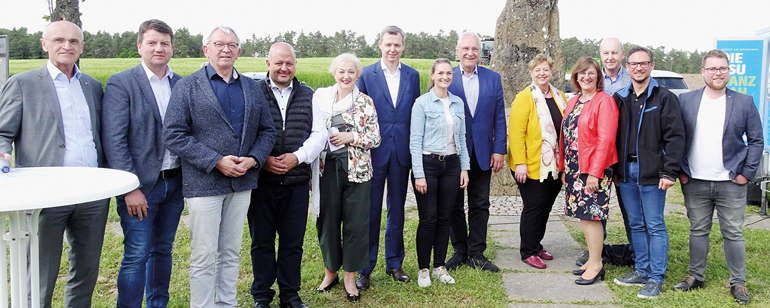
[[328, 288], [599, 275], [353, 298], [578, 272]]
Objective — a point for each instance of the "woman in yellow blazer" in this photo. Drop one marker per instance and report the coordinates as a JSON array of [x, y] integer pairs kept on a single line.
[[533, 155]]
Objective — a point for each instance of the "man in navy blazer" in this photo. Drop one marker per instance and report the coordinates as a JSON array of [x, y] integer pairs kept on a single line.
[[482, 91], [134, 107], [714, 174], [220, 126], [393, 86]]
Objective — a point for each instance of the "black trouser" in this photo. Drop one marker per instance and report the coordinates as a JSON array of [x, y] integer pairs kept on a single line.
[[538, 198], [435, 207], [343, 222], [281, 209], [472, 240]]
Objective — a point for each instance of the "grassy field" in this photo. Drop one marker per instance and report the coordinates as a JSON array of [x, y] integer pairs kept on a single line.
[[313, 71]]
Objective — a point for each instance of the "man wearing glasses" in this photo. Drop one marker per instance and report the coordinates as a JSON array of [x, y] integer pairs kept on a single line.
[[51, 116], [650, 147], [714, 174], [220, 126]]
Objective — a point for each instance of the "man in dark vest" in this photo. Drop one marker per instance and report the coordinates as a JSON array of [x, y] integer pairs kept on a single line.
[[280, 203]]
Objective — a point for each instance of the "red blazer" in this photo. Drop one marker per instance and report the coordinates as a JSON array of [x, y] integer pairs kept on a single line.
[[597, 129]]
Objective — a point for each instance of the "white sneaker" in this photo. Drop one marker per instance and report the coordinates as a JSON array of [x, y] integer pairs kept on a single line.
[[441, 274], [423, 278]]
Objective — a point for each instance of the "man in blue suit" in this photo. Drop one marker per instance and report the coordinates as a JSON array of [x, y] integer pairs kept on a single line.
[[714, 174], [482, 91], [219, 124], [134, 107], [393, 86]]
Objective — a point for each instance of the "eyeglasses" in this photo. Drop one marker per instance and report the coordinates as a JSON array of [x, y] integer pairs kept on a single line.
[[62, 41], [713, 70], [644, 64], [221, 46]]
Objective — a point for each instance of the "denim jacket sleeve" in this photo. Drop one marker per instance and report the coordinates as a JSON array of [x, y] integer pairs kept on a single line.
[[462, 148], [417, 131]]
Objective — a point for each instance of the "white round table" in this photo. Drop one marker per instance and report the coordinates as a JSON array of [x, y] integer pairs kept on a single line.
[[25, 189]]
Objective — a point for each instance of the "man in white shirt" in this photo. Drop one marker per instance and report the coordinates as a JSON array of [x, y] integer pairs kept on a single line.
[[393, 87], [135, 102], [51, 116], [717, 165], [280, 203]]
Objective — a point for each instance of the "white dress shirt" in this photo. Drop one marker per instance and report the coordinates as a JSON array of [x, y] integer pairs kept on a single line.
[[161, 88], [393, 80], [314, 143], [79, 146], [471, 88]]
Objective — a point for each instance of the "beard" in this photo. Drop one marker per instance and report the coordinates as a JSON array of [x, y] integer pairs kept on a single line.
[[711, 85]]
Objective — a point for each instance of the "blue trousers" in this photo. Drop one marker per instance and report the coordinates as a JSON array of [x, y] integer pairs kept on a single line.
[[146, 265]]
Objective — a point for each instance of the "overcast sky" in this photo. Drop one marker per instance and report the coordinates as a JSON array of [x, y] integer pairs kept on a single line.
[[680, 24]]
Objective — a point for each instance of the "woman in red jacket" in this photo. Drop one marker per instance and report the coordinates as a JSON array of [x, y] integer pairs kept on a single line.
[[587, 155]]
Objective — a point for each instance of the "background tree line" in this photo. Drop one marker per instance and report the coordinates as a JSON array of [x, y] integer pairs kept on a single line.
[[25, 45]]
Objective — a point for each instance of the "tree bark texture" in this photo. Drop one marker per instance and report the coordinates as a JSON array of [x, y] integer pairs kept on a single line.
[[68, 10], [526, 28]]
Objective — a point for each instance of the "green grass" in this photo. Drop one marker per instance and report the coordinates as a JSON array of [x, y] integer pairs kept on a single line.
[[313, 71], [473, 288], [717, 290]]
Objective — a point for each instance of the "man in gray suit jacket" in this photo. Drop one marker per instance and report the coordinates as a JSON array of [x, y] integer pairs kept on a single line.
[[135, 104], [714, 174], [51, 115], [220, 126]]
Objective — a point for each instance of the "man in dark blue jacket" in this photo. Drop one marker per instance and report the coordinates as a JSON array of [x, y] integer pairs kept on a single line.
[[650, 145], [716, 167], [393, 86], [481, 90], [134, 107]]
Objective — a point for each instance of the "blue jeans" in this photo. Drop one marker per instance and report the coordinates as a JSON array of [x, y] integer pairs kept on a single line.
[[147, 245], [644, 205]]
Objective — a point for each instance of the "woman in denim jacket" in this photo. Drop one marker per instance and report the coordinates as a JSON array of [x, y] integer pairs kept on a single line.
[[440, 165]]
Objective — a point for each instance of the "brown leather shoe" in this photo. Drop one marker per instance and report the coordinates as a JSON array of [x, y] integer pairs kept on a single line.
[[362, 282], [397, 273]]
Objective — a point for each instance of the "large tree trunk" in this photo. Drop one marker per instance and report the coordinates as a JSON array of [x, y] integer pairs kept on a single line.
[[68, 10], [525, 28]]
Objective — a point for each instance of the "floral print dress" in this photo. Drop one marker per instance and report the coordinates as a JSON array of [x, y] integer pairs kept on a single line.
[[580, 203]]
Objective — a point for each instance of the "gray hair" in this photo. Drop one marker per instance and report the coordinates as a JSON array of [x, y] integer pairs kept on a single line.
[[472, 34], [293, 54], [346, 57], [393, 30], [609, 39], [225, 30], [45, 30]]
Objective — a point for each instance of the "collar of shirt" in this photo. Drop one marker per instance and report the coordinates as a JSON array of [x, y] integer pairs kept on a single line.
[[276, 88], [55, 71], [387, 71], [475, 72], [210, 72], [150, 74]]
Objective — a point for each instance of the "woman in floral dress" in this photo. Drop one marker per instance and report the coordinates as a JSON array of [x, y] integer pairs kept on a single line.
[[587, 155]]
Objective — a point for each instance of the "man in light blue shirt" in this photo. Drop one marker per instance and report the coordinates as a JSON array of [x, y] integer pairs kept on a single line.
[[616, 77], [51, 116]]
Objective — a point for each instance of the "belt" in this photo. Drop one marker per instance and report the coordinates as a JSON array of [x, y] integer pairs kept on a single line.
[[632, 158], [440, 157], [170, 173]]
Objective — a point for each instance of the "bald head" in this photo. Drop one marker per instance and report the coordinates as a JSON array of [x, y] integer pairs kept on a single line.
[[612, 54], [63, 41], [281, 64]]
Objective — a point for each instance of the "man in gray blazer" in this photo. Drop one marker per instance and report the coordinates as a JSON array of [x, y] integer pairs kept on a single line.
[[135, 104], [220, 126], [51, 115], [714, 174]]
